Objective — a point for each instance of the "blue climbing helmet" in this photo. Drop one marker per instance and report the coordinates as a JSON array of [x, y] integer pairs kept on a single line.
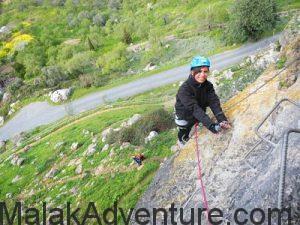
[[198, 61]]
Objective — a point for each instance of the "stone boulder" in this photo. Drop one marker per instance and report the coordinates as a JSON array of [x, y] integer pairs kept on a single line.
[[60, 95], [74, 146], [6, 97], [105, 133], [79, 169], [150, 137], [91, 150], [149, 67], [2, 145], [1, 120], [132, 120], [17, 160], [51, 173], [105, 147], [125, 145]]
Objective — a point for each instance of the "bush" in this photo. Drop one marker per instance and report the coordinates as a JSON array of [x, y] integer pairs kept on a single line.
[[114, 61], [250, 19], [158, 120], [52, 76], [15, 85], [80, 63], [89, 80]]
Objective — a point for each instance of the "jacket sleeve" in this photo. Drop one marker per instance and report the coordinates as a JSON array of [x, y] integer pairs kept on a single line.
[[190, 103], [214, 104]]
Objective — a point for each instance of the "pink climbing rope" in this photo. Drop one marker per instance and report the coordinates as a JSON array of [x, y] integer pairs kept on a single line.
[[204, 199]]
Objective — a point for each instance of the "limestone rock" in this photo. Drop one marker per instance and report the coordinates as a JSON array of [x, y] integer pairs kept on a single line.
[[6, 97], [74, 146], [79, 169], [60, 95], [125, 145], [91, 150], [150, 137], [105, 147], [149, 67], [16, 179], [53, 171], [1, 120], [105, 133]]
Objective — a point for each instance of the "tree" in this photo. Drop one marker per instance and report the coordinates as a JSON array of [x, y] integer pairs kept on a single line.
[[250, 18]]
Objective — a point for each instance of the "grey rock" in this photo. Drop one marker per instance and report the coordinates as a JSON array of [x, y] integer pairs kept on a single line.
[[51, 174], [59, 145], [150, 137], [74, 146], [6, 97], [105, 147], [91, 150], [16, 179], [79, 169], [60, 95]]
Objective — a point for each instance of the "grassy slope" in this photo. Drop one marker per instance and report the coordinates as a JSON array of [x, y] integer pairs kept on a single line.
[[120, 181]]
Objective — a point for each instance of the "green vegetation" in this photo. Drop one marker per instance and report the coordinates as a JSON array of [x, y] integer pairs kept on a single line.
[[48, 45]]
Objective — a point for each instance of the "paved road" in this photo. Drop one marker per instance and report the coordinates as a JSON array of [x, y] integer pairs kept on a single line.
[[41, 113]]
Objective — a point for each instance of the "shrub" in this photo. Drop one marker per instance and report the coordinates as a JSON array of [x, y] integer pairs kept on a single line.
[[52, 75], [250, 18], [158, 120], [114, 61], [15, 85], [80, 63]]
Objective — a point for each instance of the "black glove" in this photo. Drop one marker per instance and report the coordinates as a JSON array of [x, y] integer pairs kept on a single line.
[[215, 128]]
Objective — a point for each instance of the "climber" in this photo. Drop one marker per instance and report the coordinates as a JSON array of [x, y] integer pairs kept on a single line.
[[192, 99]]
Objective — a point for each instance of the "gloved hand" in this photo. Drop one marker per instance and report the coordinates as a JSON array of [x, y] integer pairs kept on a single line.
[[215, 128], [225, 124]]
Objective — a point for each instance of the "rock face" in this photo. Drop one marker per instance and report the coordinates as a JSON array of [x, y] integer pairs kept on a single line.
[[60, 95], [239, 170]]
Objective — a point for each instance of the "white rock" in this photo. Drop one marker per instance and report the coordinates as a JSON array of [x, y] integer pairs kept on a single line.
[[105, 133], [125, 145], [105, 147], [59, 144], [150, 137], [74, 146], [95, 140], [150, 67], [6, 97], [4, 30], [60, 95], [74, 190], [8, 195], [79, 169], [1, 120], [133, 119], [16, 179], [228, 74], [149, 6], [51, 173], [91, 150]]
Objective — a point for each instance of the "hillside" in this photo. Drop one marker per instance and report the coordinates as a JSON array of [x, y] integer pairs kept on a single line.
[[87, 45]]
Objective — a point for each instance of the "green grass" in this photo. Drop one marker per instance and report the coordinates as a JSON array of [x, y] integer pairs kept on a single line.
[[124, 187]]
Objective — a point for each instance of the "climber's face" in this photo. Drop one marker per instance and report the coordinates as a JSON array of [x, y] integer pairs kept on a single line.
[[201, 74]]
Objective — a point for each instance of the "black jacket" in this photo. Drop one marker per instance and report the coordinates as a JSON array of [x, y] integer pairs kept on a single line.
[[192, 100]]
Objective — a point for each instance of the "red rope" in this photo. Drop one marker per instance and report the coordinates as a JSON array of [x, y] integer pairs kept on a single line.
[[204, 199]]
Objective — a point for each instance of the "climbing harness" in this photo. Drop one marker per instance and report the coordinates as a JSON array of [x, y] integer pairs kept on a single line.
[[204, 199]]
